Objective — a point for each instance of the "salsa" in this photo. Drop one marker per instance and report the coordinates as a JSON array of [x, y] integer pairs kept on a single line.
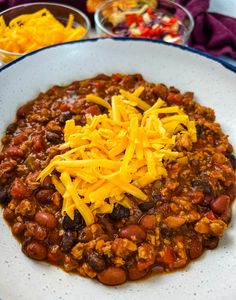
[[185, 214]]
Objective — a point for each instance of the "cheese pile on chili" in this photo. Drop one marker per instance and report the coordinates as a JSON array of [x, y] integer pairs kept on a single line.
[[116, 154], [29, 32]]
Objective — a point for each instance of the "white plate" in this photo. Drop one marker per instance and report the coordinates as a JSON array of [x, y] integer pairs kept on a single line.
[[210, 277]]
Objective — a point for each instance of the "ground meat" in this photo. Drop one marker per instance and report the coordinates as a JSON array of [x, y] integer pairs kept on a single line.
[[185, 213]]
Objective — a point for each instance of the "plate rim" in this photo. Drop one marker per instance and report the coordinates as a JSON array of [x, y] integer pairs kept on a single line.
[[125, 39]]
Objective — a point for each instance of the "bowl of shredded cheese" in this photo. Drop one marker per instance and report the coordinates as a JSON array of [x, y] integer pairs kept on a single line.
[[32, 26]]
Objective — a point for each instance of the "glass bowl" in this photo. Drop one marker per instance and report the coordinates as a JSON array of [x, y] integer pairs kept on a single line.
[[60, 12], [109, 14]]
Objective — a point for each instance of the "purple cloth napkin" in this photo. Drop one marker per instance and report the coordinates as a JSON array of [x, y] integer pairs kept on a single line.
[[213, 33]]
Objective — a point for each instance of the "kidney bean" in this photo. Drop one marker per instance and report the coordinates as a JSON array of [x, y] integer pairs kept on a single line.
[[175, 98], [148, 221], [46, 219], [19, 189], [145, 206], [18, 228], [69, 239], [119, 212], [54, 254], [96, 261], [35, 231], [7, 167], [8, 214], [38, 143], [161, 91], [24, 110], [133, 232], [35, 250], [220, 204], [14, 152], [134, 273], [211, 242], [112, 276], [20, 138], [43, 196], [195, 249], [93, 110]]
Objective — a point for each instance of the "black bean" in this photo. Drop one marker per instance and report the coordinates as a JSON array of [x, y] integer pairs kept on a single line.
[[53, 137], [96, 261], [200, 130], [69, 239], [120, 212], [11, 128], [145, 206], [43, 196], [232, 160], [203, 185], [85, 235], [211, 242], [64, 117], [76, 224], [166, 231], [4, 196], [202, 209]]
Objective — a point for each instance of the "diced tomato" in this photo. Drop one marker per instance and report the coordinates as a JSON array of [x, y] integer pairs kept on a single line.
[[130, 19], [210, 215], [93, 110], [170, 22], [65, 107], [117, 77], [18, 189], [169, 256], [139, 19], [150, 11]]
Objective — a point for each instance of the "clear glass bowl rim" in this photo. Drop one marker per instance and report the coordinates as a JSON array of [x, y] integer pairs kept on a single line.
[[103, 29], [88, 25]]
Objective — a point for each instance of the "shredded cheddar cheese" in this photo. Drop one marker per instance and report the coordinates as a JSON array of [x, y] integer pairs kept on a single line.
[[29, 32], [117, 153]]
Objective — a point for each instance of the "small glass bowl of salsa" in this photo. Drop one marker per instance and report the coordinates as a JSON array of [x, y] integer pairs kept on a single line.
[[164, 20]]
